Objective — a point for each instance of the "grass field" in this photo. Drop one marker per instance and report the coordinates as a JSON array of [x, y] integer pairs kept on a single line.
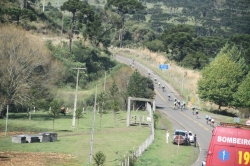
[[114, 139]]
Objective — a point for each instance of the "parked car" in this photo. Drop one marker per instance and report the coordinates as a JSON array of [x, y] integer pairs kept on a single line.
[[191, 136], [182, 134], [179, 134]]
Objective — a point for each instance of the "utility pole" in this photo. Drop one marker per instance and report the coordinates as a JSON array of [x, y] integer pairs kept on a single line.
[[7, 116], [43, 4], [74, 112], [93, 128]]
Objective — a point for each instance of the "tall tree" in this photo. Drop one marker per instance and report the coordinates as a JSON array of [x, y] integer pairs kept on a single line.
[[28, 71], [136, 85], [124, 7], [242, 96], [220, 81], [72, 6]]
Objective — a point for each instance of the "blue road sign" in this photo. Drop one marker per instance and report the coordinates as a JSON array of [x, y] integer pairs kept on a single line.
[[163, 66]]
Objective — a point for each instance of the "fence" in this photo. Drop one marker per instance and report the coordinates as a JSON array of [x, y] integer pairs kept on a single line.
[[133, 155]]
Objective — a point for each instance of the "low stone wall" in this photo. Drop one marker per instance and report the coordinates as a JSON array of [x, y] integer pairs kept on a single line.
[[40, 137]]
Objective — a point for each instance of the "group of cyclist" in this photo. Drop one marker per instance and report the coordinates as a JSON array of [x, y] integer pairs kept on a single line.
[[159, 84], [179, 104], [210, 121], [131, 64]]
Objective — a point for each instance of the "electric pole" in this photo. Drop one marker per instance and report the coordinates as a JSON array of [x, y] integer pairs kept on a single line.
[[74, 112], [93, 128], [43, 4]]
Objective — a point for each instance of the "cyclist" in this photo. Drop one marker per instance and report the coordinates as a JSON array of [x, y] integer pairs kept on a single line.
[[181, 105], [175, 105], [184, 104], [159, 84], [193, 108], [148, 74], [212, 122], [207, 119], [197, 113], [175, 99], [163, 87], [155, 80], [169, 97]]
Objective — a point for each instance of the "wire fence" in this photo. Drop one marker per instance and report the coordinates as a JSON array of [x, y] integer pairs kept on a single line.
[[135, 154]]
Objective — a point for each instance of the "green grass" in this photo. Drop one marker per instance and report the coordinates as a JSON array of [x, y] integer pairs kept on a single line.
[[110, 138]]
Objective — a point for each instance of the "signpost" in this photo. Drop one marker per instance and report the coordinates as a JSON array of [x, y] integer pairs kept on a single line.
[[163, 66]]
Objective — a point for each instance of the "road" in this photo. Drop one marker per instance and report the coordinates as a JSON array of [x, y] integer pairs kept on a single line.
[[180, 119]]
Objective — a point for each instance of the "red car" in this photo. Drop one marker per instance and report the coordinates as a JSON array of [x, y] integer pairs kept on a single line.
[[229, 146]]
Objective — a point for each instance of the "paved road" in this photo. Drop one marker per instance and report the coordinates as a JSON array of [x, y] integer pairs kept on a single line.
[[180, 119]]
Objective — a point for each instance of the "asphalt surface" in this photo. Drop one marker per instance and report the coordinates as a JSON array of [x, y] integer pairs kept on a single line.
[[180, 119]]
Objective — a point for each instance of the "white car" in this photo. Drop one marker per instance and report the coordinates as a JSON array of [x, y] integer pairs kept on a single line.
[[191, 136]]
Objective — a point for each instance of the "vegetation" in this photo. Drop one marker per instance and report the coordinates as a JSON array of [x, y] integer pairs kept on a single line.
[[99, 158], [220, 81]]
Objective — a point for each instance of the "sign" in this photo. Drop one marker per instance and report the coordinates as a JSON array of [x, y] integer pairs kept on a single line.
[[163, 66], [236, 120]]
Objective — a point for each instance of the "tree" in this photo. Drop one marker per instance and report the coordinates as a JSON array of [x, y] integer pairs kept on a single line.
[[136, 85], [79, 114], [235, 55], [27, 72], [72, 6], [54, 110], [242, 96], [114, 91], [101, 100], [99, 158], [124, 7], [220, 81]]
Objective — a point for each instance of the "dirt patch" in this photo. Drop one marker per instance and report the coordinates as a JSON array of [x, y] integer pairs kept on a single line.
[[34, 158]]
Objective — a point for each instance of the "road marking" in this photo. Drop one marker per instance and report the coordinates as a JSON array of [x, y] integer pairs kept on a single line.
[[182, 112]]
